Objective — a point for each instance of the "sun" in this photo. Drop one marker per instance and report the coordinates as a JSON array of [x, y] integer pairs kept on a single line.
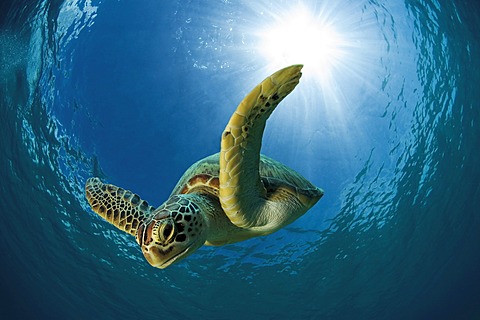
[[300, 37]]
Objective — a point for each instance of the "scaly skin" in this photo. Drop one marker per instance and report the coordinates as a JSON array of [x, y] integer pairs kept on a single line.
[[122, 208], [240, 185]]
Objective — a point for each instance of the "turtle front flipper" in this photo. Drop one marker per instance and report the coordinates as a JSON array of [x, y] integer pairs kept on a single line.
[[122, 208], [241, 191]]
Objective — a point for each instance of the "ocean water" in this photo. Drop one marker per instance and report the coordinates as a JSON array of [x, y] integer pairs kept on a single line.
[[387, 123]]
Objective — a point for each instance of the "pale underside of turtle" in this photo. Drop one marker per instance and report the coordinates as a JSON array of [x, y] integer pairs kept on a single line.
[[227, 197]]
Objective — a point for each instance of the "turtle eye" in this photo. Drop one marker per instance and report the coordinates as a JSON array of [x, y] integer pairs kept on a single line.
[[168, 231]]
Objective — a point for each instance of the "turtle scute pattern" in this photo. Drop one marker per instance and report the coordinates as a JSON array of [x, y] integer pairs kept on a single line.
[[122, 208]]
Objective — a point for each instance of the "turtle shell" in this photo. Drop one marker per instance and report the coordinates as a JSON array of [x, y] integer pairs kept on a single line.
[[203, 177]]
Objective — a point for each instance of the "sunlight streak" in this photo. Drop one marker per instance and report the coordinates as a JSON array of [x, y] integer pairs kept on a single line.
[[299, 37]]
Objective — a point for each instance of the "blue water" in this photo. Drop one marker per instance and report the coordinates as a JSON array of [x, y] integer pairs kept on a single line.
[[136, 91]]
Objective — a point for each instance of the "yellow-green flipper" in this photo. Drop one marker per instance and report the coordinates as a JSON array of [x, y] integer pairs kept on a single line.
[[122, 208], [243, 195], [227, 197]]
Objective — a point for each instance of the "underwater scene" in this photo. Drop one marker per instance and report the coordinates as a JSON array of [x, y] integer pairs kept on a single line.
[[385, 119]]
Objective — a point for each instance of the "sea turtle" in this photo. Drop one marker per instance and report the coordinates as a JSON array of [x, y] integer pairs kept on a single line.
[[227, 197]]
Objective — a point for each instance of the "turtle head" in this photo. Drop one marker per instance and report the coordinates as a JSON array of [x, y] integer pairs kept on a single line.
[[174, 231]]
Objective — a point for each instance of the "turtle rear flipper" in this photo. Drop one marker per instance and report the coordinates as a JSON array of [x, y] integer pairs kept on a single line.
[[122, 208]]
